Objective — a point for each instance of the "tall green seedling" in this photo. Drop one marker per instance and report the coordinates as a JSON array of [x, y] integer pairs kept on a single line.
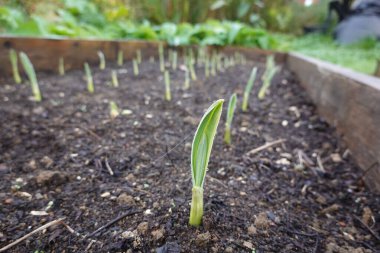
[[120, 58], [168, 94], [90, 82], [14, 62], [135, 67], [115, 80], [186, 85], [29, 69], [200, 155], [248, 89], [230, 116], [161, 57], [61, 66], [102, 60], [138, 56], [114, 110], [269, 64], [174, 60], [267, 82]]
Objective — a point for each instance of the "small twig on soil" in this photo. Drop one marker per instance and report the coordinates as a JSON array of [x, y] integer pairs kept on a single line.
[[320, 165], [92, 133], [367, 227], [218, 181], [89, 245], [109, 167], [265, 146], [112, 222], [47, 225]]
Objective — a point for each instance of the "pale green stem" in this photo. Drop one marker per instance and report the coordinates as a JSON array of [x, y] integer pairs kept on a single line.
[[61, 66], [13, 58], [135, 67], [115, 81], [227, 134], [196, 211], [120, 58], [168, 95], [244, 106]]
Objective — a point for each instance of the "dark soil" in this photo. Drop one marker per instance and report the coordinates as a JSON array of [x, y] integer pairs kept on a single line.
[[54, 157]]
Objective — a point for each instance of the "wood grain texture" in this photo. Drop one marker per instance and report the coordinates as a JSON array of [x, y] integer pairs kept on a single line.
[[349, 101], [45, 53]]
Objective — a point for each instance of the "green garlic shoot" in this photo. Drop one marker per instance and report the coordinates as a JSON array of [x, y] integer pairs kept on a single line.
[[192, 71], [135, 67], [248, 89], [13, 59], [102, 60], [200, 155], [174, 60], [187, 80], [161, 57], [115, 81], [213, 65], [268, 66], [230, 116], [90, 82], [29, 69], [114, 110], [120, 58], [168, 95], [61, 66], [138, 56], [207, 67], [267, 82]]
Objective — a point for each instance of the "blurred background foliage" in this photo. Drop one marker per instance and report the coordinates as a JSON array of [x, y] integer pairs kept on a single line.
[[267, 24]]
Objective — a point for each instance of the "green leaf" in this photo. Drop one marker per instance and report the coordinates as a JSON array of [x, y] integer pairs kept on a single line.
[[29, 69], [231, 109], [203, 141]]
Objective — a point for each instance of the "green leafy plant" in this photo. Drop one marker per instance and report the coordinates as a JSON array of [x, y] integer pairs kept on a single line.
[[114, 110], [267, 82], [248, 89], [102, 60], [120, 58], [13, 59], [115, 81], [135, 67], [200, 155], [29, 69], [230, 115], [168, 95], [90, 82], [61, 66]]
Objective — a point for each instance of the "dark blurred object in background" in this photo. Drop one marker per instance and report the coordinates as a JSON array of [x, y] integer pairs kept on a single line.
[[357, 20]]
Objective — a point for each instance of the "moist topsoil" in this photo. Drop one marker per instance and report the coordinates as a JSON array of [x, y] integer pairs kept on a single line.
[[66, 158]]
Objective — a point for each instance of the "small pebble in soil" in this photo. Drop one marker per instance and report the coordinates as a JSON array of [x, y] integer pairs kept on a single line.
[[203, 239], [261, 221], [125, 199], [142, 228], [158, 234]]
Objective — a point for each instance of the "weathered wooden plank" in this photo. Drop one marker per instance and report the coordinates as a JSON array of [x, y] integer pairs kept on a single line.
[[45, 53], [351, 102]]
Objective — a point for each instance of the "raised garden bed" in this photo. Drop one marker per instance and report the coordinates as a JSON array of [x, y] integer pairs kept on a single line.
[[305, 194]]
